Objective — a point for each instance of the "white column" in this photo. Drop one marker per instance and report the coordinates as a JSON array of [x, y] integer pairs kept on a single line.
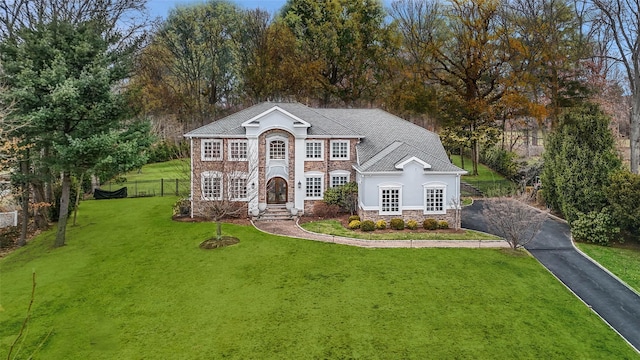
[[253, 179], [300, 155]]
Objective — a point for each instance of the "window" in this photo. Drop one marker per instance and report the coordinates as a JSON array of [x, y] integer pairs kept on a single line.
[[313, 186], [277, 149], [238, 150], [211, 150], [238, 187], [211, 186], [434, 200], [339, 178], [390, 201], [314, 150], [340, 150]]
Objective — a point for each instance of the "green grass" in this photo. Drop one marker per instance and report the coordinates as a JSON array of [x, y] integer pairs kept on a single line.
[[132, 284], [488, 181], [174, 169], [149, 181], [334, 227], [625, 263]]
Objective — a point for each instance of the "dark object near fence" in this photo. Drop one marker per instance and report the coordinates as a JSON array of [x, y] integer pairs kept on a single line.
[[100, 194]]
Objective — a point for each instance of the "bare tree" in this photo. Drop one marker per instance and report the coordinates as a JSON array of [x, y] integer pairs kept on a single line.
[[128, 18], [512, 219], [622, 17], [224, 189]]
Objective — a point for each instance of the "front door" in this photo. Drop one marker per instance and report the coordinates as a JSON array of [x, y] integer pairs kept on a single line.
[[276, 191]]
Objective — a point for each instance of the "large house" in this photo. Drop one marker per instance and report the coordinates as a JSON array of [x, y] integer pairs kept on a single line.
[[287, 153]]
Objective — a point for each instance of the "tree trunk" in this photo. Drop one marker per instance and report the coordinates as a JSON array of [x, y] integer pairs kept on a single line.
[[462, 157], [634, 134], [218, 230], [78, 192], [24, 169], [64, 209], [475, 153]]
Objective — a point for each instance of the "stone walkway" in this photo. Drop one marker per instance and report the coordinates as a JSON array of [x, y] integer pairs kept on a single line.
[[292, 229]]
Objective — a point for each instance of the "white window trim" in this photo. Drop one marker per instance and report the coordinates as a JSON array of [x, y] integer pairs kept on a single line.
[[332, 157], [235, 176], [313, 174], [211, 174], [435, 186], [390, 187], [338, 173], [212, 141], [238, 142], [321, 158], [286, 147]]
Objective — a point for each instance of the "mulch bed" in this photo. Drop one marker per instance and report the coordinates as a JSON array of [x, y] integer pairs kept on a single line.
[[344, 220]]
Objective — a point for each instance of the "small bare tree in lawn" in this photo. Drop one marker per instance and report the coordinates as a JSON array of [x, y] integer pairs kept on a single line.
[[225, 187], [512, 219]]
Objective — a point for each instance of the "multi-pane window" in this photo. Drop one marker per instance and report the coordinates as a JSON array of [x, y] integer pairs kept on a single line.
[[238, 187], [211, 186], [277, 149], [339, 180], [339, 150], [390, 200], [313, 187], [314, 150], [238, 150], [211, 150], [434, 200]]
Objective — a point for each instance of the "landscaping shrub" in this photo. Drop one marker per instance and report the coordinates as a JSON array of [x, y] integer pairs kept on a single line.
[[167, 150], [182, 207], [367, 225], [443, 224], [354, 224], [597, 227], [8, 236], [540, 197], [354, 217], [502, 161], [324, 210], [412, 224], [430, 224], [381, 224], [344, 196], [396, 224], [624, 196]]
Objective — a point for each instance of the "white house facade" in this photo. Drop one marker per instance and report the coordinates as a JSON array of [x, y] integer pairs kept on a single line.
[[287, 153]]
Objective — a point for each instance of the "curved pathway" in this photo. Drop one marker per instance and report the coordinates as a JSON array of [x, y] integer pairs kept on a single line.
[[292, 229], [605, 294]]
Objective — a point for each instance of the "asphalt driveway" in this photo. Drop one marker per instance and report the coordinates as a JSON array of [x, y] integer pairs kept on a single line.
[[607, 296]]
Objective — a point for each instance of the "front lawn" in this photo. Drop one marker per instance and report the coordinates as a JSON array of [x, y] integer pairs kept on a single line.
[[335, 227], [132, 284], [488, 181], [625, 263]]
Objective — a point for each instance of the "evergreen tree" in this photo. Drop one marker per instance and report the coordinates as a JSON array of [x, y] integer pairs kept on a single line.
[[63, 78], [580, 156]]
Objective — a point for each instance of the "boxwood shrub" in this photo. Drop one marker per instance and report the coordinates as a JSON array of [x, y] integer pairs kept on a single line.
[[430, 224], [367, 225], [396, 224]]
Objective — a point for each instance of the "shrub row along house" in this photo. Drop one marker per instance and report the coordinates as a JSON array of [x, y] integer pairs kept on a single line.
[[287, 153]]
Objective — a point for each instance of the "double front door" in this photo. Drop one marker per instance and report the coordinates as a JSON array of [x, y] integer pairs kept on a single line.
[[277, 191]]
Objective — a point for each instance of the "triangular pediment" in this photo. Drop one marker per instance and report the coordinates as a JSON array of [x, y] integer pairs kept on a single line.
[[276, 115], [402, 164]]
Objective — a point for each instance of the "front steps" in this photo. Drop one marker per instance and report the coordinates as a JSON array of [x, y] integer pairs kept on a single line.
[[275, 213]]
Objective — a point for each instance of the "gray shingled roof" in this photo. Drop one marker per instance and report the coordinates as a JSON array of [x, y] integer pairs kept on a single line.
[[232, 124], [385, 141]]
